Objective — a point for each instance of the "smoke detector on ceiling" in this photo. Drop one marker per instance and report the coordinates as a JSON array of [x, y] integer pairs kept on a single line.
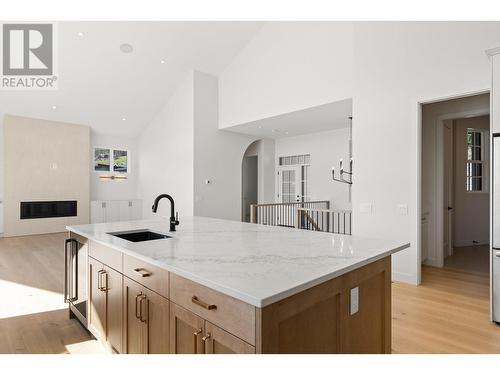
[[126, 48]]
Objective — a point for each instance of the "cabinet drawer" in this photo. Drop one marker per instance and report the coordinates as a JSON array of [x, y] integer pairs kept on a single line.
[[150, 276], [234, 316], [106, 255]]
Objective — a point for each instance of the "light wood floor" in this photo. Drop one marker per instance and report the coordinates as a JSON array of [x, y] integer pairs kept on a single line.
[[448, 313], [33, 316], [470, 259]]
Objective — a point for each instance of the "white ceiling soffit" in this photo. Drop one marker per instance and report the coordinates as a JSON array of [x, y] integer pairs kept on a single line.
[[120, 93], [316, 119]]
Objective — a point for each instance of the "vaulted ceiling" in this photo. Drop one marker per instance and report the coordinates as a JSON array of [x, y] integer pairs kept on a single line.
[[119, 93]]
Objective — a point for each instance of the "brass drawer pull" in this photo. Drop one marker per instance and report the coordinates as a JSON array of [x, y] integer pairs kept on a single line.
[[142, 272], [100, 284], [141, 311], [205, 305], [137, 303], [104, 285], [195, 340], [204, 342]]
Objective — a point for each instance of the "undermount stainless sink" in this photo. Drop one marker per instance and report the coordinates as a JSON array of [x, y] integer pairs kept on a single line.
[[140, 235]]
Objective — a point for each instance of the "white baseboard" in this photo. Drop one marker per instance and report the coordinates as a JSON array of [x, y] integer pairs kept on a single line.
[[404, 278], [431, 262]]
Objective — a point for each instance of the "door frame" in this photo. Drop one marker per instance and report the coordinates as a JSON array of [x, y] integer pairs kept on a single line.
[[420, 103], [450, 188]]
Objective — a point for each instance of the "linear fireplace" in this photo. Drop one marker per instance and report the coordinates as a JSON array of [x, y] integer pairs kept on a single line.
[[46, 209]]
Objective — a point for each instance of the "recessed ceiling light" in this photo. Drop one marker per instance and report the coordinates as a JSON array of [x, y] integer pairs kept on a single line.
[[162, 61], [81, 33], [260, 126], [286, 132], [126, 48], [124, 119], [54, 107], [275, 130]]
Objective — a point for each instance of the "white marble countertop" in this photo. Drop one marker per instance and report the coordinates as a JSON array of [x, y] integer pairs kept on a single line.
[[257, 264]]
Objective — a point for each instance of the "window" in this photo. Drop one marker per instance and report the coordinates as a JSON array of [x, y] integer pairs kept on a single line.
[[295, 160], [109, 160], [476, 166]]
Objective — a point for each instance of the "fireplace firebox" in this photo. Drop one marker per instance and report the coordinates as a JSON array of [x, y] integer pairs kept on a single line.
[[47, 209]]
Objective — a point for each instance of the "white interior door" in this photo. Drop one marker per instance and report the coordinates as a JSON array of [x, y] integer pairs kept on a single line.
[[290, 190], [290, 184]]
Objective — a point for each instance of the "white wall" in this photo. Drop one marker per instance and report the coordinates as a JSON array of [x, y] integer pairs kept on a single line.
[[471, 210], [286, 67], [218, 156], [326, 148], [431, 113], [165, 154], [105, 189], [183, 147], [396, 65]]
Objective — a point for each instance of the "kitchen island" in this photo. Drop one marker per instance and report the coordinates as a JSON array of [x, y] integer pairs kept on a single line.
[[218, 286]]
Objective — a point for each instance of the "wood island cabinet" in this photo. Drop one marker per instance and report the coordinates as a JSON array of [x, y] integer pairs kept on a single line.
[[147, 324], [191, 334], [105, 304], [136, 307], [186, 331], [222, 342]]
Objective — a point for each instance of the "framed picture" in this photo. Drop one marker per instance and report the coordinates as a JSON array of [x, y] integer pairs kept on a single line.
[[120, 161], [102, 159]]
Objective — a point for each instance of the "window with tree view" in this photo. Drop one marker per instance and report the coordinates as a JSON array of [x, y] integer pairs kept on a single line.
[[475, 168]]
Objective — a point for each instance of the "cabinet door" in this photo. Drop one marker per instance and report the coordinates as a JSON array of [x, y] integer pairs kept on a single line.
[[368, 329], [136, 213], [97, 300], [156, 313], [114, 307], [218, 341], [125, 208], [133, 326], [97, 212], [186, 331], [112, 211]]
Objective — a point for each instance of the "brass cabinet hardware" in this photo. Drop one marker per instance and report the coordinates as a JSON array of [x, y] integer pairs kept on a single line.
[[100, 284], [142, 272], [204, 342], [99, 280], [142, 318], [205, 305], [136, 303], [104, 283], [195, 338]]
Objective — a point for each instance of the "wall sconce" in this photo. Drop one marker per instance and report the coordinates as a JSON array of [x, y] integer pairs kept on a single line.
[[112, 177], [342, 173]]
